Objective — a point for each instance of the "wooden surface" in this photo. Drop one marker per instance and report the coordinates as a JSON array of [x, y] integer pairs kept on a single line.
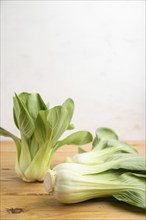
[[20, 200]]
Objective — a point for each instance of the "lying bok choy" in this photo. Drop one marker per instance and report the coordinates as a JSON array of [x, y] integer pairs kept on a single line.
[[111, 168], [70, 183], [106, 146], [40, 129]]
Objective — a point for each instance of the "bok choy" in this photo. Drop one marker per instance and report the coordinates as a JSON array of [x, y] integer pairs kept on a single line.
[[106, 145], [110, 168], [69, 185], [40, 129]]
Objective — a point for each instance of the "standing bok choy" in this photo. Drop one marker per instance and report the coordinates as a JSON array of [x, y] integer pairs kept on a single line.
[[40, 129]]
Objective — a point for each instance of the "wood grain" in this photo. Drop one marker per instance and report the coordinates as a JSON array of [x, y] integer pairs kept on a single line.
[[20, 200]]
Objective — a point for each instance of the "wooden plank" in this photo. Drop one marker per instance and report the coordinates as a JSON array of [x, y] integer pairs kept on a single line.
[[20, 200], [45, 207]]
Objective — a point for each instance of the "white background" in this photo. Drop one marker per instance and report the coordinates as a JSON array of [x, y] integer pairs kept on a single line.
[[91, 51]]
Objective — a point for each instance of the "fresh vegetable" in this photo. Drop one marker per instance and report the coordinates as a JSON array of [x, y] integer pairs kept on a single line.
[[110, 168], [106, 147], [69, 185], [40, 129]]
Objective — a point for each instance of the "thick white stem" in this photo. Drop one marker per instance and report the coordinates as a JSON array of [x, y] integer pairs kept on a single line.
[[49, 181]]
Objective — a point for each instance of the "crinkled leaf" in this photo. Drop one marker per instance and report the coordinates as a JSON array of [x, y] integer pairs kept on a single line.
[[16, 107], [51, 124], [128, 161], [58, 120], [118, 145], [122, 161], [121, 146], [23, 118], [107, 138], [104, 133], [135, 193]]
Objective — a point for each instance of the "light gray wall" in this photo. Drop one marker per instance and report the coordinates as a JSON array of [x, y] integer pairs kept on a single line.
[[91, 51]]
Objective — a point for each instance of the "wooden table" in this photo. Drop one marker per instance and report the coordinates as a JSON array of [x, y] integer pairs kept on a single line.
[[20, 200]]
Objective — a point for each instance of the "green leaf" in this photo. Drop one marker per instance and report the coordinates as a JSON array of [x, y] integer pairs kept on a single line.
[[69, 105], [122, 161], [70, 127], [104, 133], [15, 119], [42, 131], [34, 104], [6, 133], [33, 146], [107, 138], [16, 111], [58, 120], [23, 118], [24, 97], [51, 124], [121, 146], [77, 138], [17, 141], [135, 193], [127, 161], [81, 150]]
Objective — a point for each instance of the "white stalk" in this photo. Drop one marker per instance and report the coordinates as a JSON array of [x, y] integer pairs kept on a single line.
[[49, 181]]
